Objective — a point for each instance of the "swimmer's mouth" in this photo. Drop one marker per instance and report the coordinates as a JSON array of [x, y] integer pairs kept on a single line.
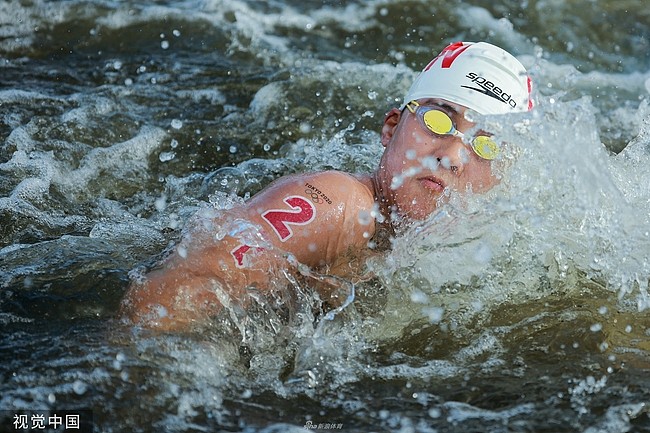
[[433, 183]]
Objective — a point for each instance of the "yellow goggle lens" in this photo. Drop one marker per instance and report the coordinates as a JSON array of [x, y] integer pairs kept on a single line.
[[438, 122], [485, 147]]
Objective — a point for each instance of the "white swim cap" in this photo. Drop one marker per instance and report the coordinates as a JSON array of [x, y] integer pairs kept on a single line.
[[477, 75]]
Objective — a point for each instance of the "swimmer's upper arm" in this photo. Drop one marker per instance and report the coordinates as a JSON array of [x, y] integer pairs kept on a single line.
[[315, 217]]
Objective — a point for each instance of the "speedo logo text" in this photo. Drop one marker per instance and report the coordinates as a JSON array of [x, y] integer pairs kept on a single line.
[[488, 88]]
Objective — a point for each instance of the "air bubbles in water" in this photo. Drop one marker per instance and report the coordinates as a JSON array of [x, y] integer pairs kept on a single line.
[[166, 156], [434, 314], [161, 203], [305, 127], [177, 124], [419, 297], [79, 387]]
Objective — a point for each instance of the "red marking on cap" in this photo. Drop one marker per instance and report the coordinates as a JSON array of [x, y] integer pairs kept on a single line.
[[530, 91], [448, 54]]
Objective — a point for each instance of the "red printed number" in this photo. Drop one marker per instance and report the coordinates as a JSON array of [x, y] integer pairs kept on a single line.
[[302, 212], [239, 252]]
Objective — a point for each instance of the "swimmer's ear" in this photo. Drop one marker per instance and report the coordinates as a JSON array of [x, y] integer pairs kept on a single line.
[[390, 123]]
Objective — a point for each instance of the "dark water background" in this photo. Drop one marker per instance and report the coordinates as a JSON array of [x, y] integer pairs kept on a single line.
[[119, 119]]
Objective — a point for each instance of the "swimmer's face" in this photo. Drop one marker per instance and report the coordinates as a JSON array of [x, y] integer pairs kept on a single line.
[[418, 168]]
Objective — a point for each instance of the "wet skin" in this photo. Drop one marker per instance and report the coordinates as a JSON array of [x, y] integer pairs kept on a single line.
[[324, 220], [418, 166]]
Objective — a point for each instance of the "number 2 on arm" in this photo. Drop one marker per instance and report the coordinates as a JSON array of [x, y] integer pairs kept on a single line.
[[302, 212]]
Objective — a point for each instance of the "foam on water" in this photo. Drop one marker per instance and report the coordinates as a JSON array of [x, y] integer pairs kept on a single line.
[[567, 213], [102, 174]]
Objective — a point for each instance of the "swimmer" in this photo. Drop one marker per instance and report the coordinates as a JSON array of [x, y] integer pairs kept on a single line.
[[326, 220]]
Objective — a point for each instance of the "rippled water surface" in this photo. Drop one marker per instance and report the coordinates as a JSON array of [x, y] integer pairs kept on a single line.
[[522, 310]]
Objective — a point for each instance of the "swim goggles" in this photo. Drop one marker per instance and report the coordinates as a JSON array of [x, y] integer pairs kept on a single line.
[[439, 123]]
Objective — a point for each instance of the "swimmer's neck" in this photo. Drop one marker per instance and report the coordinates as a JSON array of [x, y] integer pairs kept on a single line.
[[371, 182]]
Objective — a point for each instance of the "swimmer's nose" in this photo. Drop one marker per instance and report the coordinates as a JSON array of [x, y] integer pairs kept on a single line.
[[452, 154]]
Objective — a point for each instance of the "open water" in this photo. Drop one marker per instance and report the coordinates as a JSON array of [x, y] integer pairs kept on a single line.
[[522, 310]]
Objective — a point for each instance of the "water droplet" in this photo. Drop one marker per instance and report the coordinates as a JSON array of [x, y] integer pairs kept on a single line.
[[434, 313], [164, 45], [603, 346], [396, 182], [364, 217], [166, 156], [305, 127], [419, 297], [177, 124], [445, 162], [79, 387], [596, 327], [161, 203], [232, 149]]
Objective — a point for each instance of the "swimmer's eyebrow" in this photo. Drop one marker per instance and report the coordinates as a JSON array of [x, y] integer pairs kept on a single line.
[[441, 104]]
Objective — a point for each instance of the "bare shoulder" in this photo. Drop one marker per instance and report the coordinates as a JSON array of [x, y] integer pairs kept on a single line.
[[315, 216], [329, 187]]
